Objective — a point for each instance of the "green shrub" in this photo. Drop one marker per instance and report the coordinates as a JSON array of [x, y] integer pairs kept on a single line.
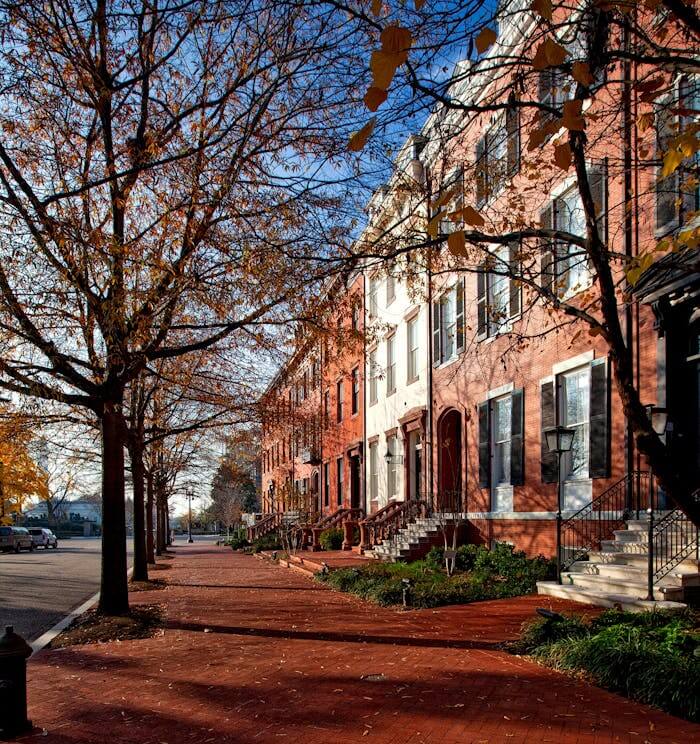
[[238, 542], [651, 657], [271, 541], [331, 539]]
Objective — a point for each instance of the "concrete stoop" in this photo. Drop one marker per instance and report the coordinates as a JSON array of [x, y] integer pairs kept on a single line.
[[412, 542], [616, 576]]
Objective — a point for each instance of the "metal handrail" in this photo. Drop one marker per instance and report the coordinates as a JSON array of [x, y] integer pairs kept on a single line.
[[385, 523], [339, 517], [597, 521], [264, 526]]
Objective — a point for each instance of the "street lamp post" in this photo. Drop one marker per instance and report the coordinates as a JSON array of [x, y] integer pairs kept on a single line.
[[189, 516], [559, 440]]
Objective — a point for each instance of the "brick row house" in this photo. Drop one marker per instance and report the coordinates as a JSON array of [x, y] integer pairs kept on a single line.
[[462, 368]]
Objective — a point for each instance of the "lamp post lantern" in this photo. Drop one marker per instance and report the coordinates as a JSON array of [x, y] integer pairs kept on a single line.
[[559, 440]]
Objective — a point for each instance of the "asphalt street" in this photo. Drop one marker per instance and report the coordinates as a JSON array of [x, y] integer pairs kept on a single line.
[[38, 589]]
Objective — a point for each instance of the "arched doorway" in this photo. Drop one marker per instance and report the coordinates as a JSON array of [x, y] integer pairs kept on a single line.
[[449, 481]]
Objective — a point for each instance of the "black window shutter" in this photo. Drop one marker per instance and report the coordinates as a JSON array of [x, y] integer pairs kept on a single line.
[[459, 314], [481, 172], [548, 460], [517, 438], [667, 189], [515, 288], [598, 180], [481, 308], [437, 346], [513, 133], [484, 446], [599, 450], [547, 248]]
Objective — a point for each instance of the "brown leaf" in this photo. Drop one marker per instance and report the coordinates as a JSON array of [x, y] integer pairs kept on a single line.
[[395, 39], [383, 66], [419, 4], [472, 217], [359, 139], [572, 115], [374, 98], [548, 54], [446, 197], [376, 8], [543, 8], [456, 244], [581, 73], [434, 224], [563, 155], [485, 38], [645, 120]]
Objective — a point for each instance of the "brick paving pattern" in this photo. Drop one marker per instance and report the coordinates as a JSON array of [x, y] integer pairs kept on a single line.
[[257, 653]]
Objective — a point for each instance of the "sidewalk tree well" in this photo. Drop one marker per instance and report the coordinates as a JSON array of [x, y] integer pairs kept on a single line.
[[598, 93], [162, 186]]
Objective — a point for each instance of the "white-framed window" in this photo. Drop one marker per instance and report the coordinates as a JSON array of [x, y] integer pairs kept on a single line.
[[373, 376], [497, 155], [502, 423], [572, 271], [390, 289], [355, 407], [574, 413], [498, 293], [412, 348], [373, 297], [391, 364], [374, 471], [392, 486], [448, 324], [326, 484], [339, 400]]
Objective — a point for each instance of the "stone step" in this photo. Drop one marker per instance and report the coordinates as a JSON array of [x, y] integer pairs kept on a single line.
[[633, 573], [620, 586], [603, 599], [687, 566]]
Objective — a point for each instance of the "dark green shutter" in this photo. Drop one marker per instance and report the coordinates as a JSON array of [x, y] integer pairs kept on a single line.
[[598, 180], [548, 460], [459, 314], [515, 271], [484, 446], [437, 346], [599, 449], [547, 249], [517, 438], [513, 134], [481, 304]]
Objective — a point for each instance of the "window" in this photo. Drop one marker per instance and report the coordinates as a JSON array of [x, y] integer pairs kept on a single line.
[[498, 294], [574, 413], [448, 324], [497, 155], [679, 193], [339, 481], [390, 289], [392, 468], [452, 219], [373, 376], [551, 91], [565, 267], [339, 395], [373, 297], [412, 348], [355, 400], [326, 483], [374, 471], [326, 409], [355, 315], [391, 365], [501, 440]]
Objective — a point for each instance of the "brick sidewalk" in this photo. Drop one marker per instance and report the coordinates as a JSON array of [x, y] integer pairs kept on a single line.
[[256, 653]]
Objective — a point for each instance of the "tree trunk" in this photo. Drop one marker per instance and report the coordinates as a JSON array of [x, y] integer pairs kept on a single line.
[[137, 474], [160, 516], [114, 596], [150, 547]]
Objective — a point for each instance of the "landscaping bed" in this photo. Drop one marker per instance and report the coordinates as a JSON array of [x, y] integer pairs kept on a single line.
[[480, 574], [147, 586], [650, 657], [143, 621]]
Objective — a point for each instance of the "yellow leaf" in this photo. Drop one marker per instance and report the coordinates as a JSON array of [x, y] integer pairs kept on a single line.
[[383, 66], [672, 160], [548, 54], [562, 156], [485, 38], [572, 115], [446, 197], [456, 244], [472, 217], [434, 224], [581, 73], [376, 7], [395, 39], [359, 139], [543, 8], [374, 98]]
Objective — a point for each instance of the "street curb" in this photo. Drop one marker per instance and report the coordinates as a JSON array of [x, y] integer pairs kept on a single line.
[[45, 638]]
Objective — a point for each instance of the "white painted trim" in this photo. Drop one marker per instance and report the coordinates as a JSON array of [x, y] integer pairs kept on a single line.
[[548, 515], [499, 391], [573, 362], [45, 638], [545, 380]]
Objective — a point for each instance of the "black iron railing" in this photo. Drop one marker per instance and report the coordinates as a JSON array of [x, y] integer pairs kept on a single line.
[[671, 540], [385, 523], [585, 530]]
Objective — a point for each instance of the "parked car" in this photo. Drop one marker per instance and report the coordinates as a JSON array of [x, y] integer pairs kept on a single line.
[[15, 538], [43, 537]]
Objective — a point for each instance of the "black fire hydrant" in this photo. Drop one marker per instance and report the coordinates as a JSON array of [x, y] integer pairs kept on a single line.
[[14, 652]]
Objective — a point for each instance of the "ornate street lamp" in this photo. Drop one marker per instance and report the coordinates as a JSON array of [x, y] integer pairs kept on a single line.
[[559, 440], [658, 417]]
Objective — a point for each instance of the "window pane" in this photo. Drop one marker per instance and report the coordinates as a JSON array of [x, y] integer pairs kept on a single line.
[[575, 415]]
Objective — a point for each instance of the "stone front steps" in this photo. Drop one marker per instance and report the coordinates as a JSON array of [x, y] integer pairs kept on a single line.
[[616, 576], [413, 541]]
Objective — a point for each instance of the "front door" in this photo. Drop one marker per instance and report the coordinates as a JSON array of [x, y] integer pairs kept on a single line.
[[355, 482]]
